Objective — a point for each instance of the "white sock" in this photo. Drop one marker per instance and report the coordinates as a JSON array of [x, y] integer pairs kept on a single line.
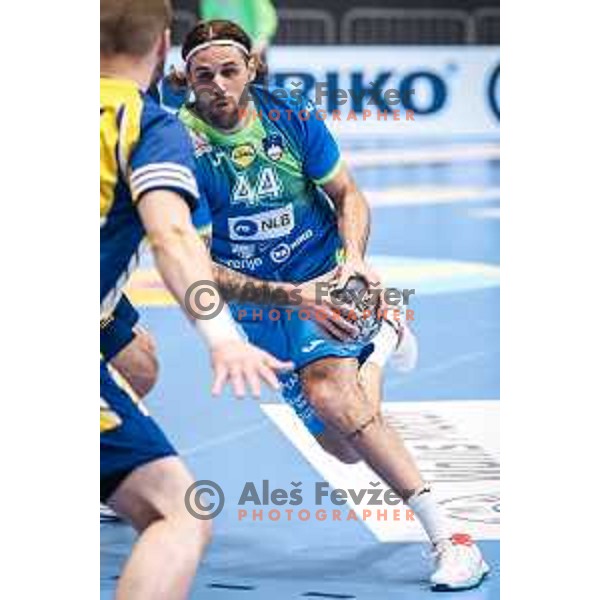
[[384, 344], [430, 515], [407, 355]]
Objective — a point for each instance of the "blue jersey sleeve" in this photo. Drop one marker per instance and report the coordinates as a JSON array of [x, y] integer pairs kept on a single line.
[[163, 159], [322, 158], [201, 217]]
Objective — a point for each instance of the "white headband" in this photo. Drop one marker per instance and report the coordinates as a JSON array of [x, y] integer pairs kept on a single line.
[[204, 45]]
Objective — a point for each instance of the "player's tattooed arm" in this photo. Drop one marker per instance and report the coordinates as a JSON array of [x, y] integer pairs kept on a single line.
[[245, 288], [313, 294], [354, 222]]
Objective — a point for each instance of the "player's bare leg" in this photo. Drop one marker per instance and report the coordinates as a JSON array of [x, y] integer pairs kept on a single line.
[[136, 367], [137, 362], [370, 377], [333, 388], [164, 560], [349, 404], [395, 340]]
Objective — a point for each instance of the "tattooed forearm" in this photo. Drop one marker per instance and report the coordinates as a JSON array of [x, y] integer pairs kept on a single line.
[[240, 287], [245, 288]]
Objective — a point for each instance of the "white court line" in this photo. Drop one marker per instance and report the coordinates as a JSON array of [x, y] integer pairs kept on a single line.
[[411, 156], [485, 213], [224, 439], [456, 445], [424, 372], [430, 194]]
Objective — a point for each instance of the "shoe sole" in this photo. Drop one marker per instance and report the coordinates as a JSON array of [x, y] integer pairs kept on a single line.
[[444, 587]]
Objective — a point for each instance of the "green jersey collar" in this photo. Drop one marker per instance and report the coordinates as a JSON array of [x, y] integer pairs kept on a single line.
[[195, 123]]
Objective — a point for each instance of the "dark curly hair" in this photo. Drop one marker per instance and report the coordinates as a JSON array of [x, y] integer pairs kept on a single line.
[[206, 31]]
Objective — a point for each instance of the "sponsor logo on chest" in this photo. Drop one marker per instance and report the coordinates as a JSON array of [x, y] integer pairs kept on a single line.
[[200, 143], [283, 251], [243, 156], [267, 225], [244, 264], [243, 250]]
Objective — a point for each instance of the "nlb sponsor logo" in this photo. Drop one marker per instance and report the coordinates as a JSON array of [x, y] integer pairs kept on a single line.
[[266, 225]]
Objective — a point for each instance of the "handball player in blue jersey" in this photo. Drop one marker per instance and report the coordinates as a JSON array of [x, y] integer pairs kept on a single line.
[[284, 212]]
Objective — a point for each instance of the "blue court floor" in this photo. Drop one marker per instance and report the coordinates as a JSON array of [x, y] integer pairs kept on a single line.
[[435, 229]]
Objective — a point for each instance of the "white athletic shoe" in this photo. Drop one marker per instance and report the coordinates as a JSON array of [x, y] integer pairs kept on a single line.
[[459, 564]]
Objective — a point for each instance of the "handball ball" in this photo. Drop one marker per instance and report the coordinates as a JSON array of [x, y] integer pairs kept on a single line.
[[355, 294]]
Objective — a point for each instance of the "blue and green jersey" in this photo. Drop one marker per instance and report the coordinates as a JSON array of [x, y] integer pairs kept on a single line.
[[270, 216]]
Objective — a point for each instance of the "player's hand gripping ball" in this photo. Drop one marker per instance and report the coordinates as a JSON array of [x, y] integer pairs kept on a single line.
[[361, 307]]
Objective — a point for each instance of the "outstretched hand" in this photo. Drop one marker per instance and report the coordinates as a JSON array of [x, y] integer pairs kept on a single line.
[[245, 367]]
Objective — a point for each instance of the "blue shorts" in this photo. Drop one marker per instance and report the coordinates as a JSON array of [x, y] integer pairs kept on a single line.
[[299, 339], [116, 331], [128, 437]]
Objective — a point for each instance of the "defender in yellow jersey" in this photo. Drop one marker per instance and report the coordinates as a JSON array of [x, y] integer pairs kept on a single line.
[[142, 148], [147, 189]]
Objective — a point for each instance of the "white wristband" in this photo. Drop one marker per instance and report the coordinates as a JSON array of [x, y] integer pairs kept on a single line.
[[218, 329]]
